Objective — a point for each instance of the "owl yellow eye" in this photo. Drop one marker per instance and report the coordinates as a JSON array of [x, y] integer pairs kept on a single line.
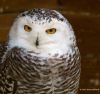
[[51, 31], [27, 28]]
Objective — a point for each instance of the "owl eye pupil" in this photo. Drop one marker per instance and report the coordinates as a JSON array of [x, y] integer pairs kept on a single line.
[[50, 30], [29, 28]]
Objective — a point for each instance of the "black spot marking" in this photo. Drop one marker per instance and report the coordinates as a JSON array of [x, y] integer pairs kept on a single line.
[[9, 80]]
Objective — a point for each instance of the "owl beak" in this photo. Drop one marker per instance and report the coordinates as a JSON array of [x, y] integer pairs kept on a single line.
[[37, 42]]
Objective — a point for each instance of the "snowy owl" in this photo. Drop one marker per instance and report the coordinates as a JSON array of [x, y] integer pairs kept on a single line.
[[42, 56]]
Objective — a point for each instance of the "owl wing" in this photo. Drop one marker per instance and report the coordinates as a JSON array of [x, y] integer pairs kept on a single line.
[[7, 83], [3, 47], [10, 66]]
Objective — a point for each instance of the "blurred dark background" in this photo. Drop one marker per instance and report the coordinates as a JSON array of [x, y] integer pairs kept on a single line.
[[84, 15]]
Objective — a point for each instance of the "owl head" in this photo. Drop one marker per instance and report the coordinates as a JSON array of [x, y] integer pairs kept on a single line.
[[42, 31]]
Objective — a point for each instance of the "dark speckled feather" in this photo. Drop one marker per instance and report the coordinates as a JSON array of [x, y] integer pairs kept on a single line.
[[42, 14]]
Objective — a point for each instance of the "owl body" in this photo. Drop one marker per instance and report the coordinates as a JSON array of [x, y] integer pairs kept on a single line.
[[42, 57]]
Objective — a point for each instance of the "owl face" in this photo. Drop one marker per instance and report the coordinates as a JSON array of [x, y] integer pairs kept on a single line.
[[41, 31]]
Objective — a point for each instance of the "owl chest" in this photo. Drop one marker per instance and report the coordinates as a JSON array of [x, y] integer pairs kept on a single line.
[[45, 76], [51, 74]]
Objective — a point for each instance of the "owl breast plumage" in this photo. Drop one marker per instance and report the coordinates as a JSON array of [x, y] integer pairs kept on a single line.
[[27, 71]]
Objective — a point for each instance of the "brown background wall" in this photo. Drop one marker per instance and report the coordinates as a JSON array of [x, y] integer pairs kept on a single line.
[[84, 15]]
